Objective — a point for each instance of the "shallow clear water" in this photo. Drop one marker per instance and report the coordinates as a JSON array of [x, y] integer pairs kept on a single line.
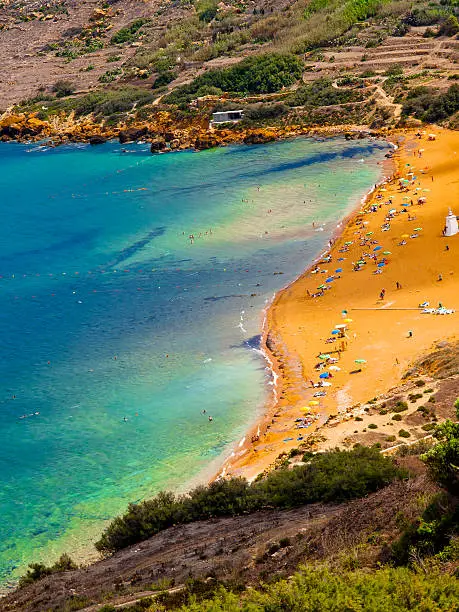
[[116, 331]]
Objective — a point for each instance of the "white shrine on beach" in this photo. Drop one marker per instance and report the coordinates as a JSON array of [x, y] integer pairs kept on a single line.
[[451, 226]]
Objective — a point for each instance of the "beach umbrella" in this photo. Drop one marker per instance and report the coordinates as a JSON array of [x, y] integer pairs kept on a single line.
[[381, 264], [377, 248], [341, 258], [426, 190], [360, 360], [387, 253], [350, 242], [392, 211], [383, 190], [341, 326], [405, 235], [335, 331], [321, 287], [418, 229], [335, 368], [330, 279], [326, 384], [405, 204], [406, 198], [348, 320], [368, 233], [324, 375], [324, 356], [313, 403], [338, 270], [361, 262]]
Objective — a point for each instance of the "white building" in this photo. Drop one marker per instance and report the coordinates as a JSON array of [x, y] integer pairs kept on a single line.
[[227, 116]]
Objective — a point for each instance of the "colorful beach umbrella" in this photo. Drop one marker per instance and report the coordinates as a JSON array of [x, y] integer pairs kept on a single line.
[[330, 279], [338, 270], [335, 331], [418, 229], [313, 403], [335, 368], [341, 326], [324, 375], [348, 320], [377, 248], [405, 235], [387, 253], [324, 356], [350, 242], [341, 258], [360, 360], [381, 264]]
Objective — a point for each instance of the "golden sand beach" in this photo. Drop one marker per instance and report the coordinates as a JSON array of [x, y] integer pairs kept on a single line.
[[385, 330]]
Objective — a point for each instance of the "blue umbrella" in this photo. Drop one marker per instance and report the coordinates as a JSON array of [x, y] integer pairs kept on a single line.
[[330, 279], [405, 204], [341, 258], [324, 375], [378, 248], [335, 331], [380, 265], [338, 270]]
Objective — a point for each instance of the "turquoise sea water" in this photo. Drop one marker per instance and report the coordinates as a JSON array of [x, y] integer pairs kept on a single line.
[[116, 331]]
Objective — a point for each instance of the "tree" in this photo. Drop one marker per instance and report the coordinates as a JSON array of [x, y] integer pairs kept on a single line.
[[443, 459]]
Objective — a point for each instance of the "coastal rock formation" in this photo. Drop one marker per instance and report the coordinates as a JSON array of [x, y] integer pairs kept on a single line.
[[259, 137], [205, 142], [22, 126], [97, 139], [158, 145], [132, 134]]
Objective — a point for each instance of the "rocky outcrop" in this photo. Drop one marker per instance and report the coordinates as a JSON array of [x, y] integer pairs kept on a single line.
[[158, 145], [16, 127], [259, 137], [97, 139], [203, 142], [132, 134]]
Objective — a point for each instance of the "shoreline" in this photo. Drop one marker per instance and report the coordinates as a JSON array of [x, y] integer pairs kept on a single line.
[[260, 452], [271, 361]]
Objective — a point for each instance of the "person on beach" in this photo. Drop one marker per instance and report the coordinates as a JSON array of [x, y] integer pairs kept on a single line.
[[440, 278], [382, 294], [398, 285]]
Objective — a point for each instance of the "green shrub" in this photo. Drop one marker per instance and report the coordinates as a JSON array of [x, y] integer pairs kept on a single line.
[[262, 112], [322, 93], [420, 383], [258, 74], [430, 533], [37, 571], [443, 459], [430, 106], [372, 426], [400, 407], [331, 476], [63, 88], [404, 434], [322, 590], [164, 78], [397, 417], [128, 34], [449, 27], [207, 10]]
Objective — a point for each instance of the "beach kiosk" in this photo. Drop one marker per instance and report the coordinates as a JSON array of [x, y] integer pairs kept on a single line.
[[451, 226]]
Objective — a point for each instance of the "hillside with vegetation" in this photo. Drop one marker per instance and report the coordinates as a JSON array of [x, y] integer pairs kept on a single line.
[[166, 66]]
